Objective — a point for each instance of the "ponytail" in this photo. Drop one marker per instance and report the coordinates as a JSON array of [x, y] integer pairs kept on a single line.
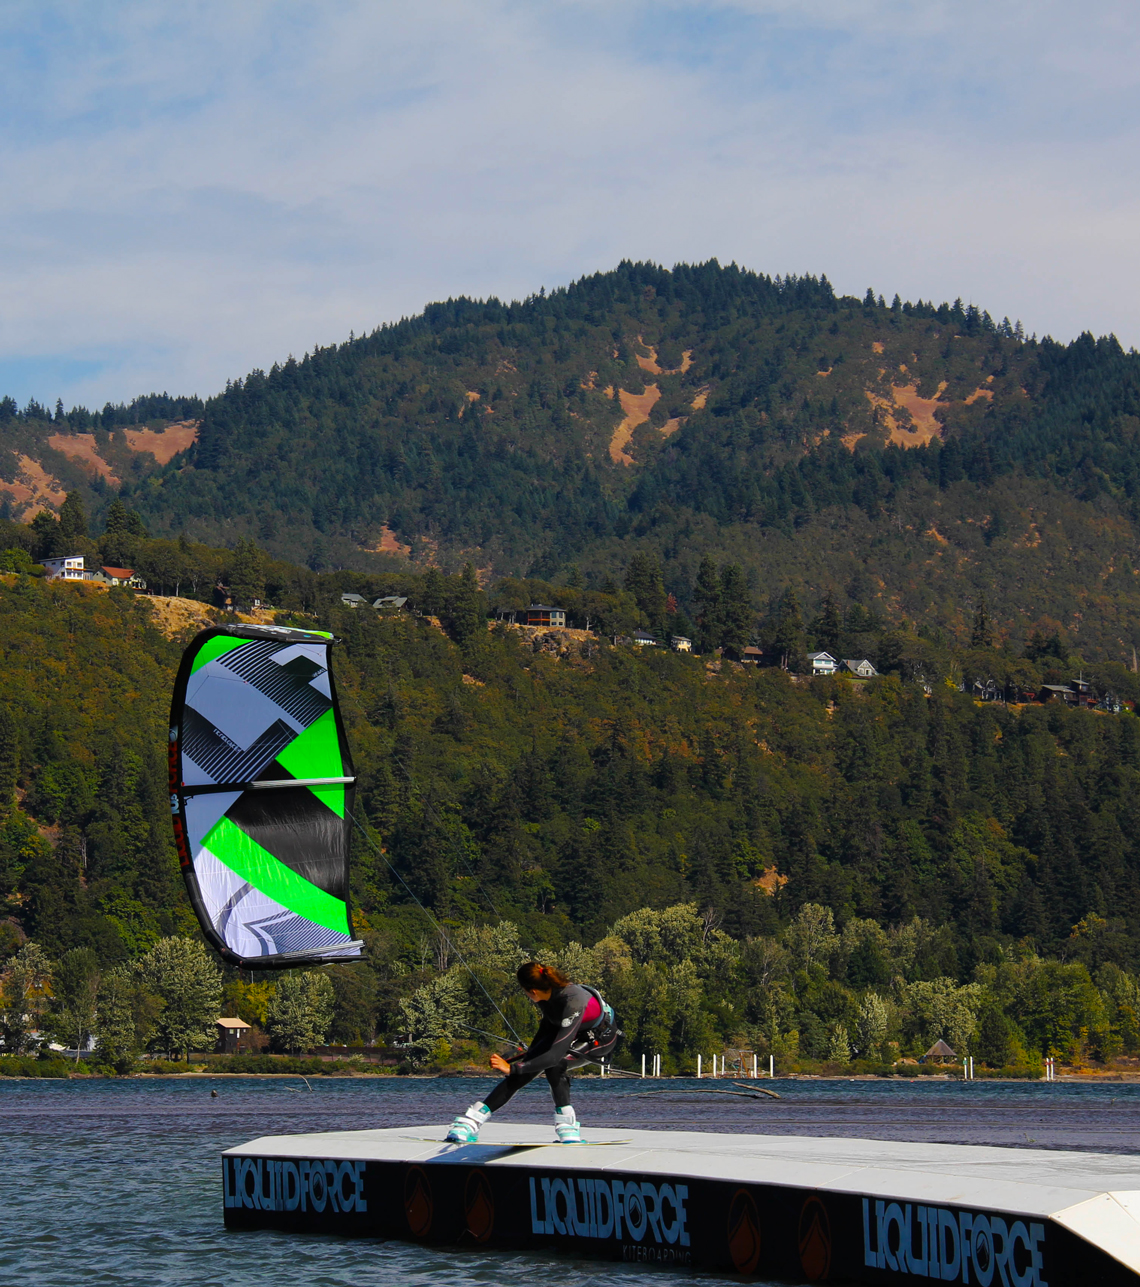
[[535, 977]]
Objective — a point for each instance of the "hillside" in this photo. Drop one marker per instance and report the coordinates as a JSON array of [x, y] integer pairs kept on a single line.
[[564, 792], [909, 458]]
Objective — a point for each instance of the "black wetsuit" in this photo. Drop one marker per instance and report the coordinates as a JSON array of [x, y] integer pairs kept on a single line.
[[560, 1044]]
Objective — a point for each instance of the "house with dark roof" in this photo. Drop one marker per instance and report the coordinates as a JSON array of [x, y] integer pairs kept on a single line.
[[543, 614], [861, 667], [353, 600], [1083, 692], [1056, 692]]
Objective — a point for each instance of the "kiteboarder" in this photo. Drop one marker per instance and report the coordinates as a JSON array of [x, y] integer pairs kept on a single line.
[[577, 1028]]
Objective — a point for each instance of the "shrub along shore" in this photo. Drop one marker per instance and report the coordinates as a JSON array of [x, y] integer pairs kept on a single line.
[[259, 1066]]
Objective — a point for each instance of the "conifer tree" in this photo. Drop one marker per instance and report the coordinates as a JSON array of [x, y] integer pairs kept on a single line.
[[466, 611], [643, 580], [9, 759], [45, 530], [706, 599], [117, 519], [120, 542], [788, 637], [980, 635], [72, 517], [247, 573], [736, 608], [433, 592], [828, 625]]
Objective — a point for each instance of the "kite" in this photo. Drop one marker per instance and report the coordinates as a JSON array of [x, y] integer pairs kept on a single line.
[[261, 790]]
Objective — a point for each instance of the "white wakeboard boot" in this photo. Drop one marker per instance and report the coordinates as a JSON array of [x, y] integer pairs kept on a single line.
[[566, 1126], [465, 1128]]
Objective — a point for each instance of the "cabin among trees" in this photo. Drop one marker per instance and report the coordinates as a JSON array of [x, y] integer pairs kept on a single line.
[[231, 1032]]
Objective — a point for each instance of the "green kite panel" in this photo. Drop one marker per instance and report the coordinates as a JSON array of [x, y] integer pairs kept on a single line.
[[242, 854]]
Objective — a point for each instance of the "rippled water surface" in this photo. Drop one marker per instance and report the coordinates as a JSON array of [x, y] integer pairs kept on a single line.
[[117, 1182]]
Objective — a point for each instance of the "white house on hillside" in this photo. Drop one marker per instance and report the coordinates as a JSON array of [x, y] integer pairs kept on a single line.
[[822, 663], [67, 568]]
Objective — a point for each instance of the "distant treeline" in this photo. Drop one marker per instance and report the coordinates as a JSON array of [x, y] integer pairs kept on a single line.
[[139, 411]]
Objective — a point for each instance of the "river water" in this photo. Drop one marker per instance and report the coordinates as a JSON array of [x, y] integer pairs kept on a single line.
[[113, 1183]]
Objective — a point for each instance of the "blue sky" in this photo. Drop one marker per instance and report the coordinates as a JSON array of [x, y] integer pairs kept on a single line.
[[191, 190]]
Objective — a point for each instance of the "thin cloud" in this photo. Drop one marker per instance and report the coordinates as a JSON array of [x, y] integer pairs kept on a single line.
[[193, 190]]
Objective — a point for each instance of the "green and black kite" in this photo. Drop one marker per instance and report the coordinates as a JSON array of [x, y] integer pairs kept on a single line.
[[261, 788]]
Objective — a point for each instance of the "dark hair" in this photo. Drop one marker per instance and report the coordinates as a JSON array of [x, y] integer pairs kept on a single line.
[[535, 977]]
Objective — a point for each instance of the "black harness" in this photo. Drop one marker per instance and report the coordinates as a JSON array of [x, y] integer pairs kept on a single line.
[[596, 1043]]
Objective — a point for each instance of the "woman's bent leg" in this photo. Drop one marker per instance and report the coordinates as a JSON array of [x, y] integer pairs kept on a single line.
[[506, 1088], [465, 1129]]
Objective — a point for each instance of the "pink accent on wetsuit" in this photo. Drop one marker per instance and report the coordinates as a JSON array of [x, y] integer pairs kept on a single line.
[[592, 1011]]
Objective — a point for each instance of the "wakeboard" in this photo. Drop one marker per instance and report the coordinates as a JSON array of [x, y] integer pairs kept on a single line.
[[423, 1139]]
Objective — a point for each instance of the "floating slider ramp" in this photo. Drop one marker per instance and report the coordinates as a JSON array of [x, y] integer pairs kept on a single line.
[[771, 1206]]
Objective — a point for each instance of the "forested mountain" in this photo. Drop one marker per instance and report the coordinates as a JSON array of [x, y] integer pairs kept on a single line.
[[909, 458]]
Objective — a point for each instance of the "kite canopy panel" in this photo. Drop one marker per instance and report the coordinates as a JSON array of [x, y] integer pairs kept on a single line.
[[261, 788]]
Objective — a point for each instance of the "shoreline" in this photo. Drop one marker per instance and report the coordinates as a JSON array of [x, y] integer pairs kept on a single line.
[[1112, 1078]]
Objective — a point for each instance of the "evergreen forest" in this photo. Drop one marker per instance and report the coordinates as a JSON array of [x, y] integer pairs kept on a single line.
[[742, 857]]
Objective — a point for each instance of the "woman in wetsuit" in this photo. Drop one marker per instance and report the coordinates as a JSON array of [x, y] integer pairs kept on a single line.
[[577, 1028]]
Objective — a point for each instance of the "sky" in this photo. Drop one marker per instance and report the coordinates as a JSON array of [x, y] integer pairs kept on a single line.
[[192, 190]]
